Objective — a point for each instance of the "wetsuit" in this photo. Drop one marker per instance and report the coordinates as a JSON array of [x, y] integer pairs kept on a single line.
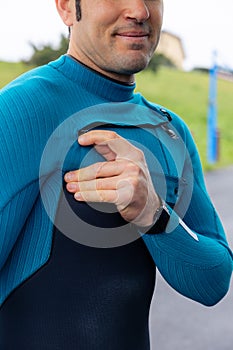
[[55, 292]]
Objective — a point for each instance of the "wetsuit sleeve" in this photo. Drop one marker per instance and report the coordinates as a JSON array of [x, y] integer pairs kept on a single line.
[[18, 180], [193, 255]]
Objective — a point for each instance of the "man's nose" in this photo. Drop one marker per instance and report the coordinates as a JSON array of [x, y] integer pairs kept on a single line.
[[136, 10]]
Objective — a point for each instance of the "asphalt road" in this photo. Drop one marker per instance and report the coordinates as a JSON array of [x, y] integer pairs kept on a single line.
[[177, 323]]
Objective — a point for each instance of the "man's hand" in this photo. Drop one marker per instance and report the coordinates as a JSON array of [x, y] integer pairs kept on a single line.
[[123, 179]]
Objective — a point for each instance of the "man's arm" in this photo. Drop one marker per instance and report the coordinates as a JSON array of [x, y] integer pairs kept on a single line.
[[197, 268], [18, 177], [193, 254]]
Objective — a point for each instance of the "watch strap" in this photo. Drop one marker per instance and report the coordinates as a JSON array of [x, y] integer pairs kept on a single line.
[[161, 218]]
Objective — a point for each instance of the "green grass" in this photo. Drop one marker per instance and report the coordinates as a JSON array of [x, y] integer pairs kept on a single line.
[[186, 93], [9, 71]]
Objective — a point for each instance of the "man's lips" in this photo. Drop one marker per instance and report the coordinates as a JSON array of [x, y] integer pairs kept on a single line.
[[134, 34]]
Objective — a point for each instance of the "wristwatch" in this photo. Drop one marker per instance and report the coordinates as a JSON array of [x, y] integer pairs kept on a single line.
[[161, 218]]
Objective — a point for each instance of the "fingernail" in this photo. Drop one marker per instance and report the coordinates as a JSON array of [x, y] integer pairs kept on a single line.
[[78, 196], [71, 187], [81, 138], [68, 177]]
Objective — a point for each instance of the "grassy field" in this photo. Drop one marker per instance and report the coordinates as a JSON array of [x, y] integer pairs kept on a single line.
[[186, 93], [9, 71]]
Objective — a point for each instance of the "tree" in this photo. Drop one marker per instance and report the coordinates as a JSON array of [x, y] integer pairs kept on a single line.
[[159, 60], [43, 55]]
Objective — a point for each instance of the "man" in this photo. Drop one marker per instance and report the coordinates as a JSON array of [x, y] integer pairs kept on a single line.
[[77, 266]]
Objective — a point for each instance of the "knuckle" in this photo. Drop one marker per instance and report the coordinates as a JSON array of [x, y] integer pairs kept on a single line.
[[99, 184], [113, 135], [102, 195], [98, 167], [134, 181], [133, 168]]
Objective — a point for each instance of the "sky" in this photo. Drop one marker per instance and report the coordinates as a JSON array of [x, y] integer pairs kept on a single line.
[[204, 26]]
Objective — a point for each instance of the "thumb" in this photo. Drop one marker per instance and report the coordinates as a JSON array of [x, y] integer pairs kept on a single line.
[[108, 143]]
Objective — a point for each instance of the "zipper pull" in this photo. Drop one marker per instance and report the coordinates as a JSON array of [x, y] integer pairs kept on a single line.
[[170, 132], [165, 112]]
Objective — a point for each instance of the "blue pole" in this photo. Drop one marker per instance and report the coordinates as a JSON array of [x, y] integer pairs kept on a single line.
[[212, 146]]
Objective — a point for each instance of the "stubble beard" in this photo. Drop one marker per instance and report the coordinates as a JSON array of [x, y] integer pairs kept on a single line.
[[130, 64]]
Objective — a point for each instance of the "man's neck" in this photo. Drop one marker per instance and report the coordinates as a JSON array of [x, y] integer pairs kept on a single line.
[[102, 74]]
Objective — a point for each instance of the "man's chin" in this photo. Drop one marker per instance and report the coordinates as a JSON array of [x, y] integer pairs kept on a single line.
[[134, 66]]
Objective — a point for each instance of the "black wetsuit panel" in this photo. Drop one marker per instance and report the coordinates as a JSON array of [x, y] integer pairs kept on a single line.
[[84, 298]]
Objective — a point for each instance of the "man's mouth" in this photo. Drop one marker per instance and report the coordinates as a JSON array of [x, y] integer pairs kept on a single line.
[[133, 34]]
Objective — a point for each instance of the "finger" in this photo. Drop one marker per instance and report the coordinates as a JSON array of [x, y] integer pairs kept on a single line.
[[99, 139], [106, 152], [97, 170], [93, 185], [121, 196], [96, 137], [110, 145], [101, 196]]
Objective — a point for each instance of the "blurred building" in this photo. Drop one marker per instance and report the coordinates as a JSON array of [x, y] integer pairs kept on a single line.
[[225, 73], [171, 46]]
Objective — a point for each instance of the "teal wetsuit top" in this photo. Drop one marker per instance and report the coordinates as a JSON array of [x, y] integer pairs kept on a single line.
[[41, 113]]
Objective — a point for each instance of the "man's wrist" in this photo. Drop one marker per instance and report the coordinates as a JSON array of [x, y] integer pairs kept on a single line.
[[161, 218]]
